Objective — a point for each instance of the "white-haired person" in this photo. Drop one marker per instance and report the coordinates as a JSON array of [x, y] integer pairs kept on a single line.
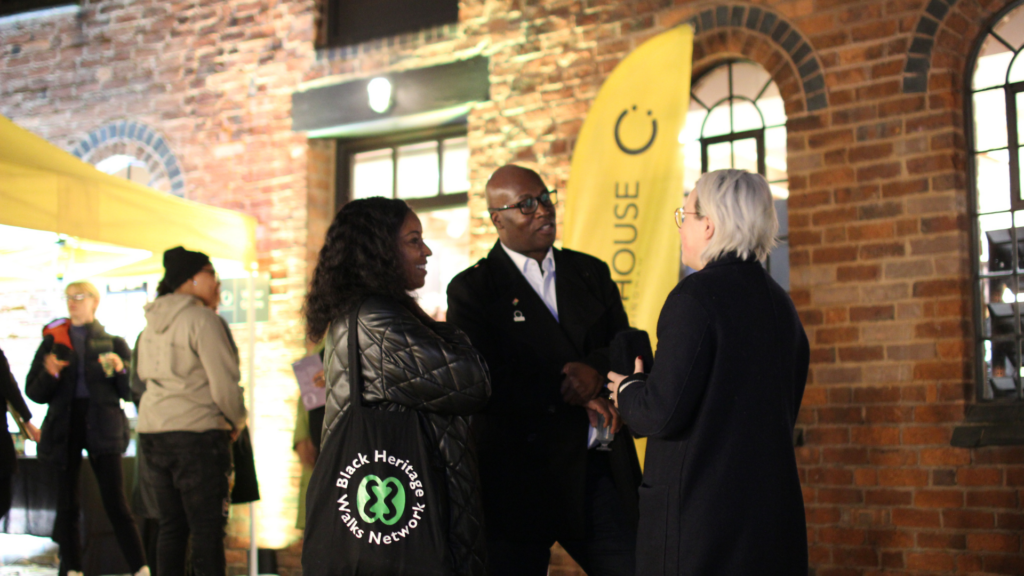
[[721, 493], [80, 371]]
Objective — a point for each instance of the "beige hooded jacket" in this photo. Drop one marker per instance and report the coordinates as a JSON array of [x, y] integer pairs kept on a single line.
[[190, 369]]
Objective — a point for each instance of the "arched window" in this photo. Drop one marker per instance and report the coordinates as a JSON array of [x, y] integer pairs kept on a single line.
[[996, 107], [737, 120]]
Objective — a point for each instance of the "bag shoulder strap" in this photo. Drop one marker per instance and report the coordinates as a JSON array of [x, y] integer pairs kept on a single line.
[[355, 372]]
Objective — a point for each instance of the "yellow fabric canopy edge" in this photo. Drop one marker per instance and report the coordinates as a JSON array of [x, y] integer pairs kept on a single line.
[[45, 188]]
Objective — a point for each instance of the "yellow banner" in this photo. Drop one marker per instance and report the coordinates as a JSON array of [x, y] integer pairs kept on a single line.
[[627, 174]]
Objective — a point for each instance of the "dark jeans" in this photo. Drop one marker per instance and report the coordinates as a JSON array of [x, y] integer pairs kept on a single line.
[[190, 473], [109, 477], [5, 494], [609, 548]]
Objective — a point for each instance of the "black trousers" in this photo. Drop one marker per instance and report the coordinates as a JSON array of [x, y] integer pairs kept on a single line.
[[5, 494], [109, 477], [608, 549], [190, 472]]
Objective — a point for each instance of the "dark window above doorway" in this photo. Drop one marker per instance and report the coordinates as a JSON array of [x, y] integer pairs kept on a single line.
[[11, 7], [351, 22]]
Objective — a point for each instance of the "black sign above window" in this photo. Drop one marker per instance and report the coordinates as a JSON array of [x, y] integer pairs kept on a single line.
[[9, 7]]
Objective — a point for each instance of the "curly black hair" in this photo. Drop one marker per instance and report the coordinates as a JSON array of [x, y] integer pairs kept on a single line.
[[359, 259]]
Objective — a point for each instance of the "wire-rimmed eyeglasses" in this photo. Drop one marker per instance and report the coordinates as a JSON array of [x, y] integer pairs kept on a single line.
[[680, 215], [529, 205]]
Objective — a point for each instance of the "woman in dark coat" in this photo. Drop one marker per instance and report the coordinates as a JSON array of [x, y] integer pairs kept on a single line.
[[372, 257], [84, 390], [721, 493], [11, 396]]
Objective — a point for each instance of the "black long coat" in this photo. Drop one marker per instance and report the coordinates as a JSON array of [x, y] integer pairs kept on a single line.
[[721, 493], [107, 425], [533, 446]]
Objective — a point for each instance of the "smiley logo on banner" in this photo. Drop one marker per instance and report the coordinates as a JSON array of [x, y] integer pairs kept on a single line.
[[650, 141], [383, 492]]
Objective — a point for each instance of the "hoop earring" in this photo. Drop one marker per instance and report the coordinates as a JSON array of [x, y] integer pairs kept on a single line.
[[193, 282]]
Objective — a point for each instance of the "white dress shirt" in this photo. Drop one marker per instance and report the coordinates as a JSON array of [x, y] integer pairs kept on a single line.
[[542, 280]]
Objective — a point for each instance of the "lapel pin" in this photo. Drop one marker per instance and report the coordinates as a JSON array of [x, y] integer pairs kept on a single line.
[[515, 301], [518, 317]]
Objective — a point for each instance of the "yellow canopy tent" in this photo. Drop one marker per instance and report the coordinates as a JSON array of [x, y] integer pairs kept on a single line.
[[83, 223], [114, 227]]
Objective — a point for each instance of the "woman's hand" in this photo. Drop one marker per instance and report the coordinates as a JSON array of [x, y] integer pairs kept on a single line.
[[52, 365], [617, 379], [307, 452], [114, 360]]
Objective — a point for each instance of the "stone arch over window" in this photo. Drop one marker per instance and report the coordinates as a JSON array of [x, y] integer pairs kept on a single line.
[[126, 144], [764, 36]]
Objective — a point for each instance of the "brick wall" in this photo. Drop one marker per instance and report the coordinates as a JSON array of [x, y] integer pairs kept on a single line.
[[878, 207]]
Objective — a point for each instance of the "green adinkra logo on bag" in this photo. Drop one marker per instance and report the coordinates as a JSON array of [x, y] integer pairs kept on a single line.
[[381, 500]]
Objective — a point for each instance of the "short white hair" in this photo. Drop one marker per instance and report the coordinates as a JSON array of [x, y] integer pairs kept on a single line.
[[741, 207]]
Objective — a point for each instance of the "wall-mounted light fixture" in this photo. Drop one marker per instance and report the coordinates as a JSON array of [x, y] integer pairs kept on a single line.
[[379, 91]]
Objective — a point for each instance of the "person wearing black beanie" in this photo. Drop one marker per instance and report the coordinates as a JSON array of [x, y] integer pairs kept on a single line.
[[180, 265], [186, 371]]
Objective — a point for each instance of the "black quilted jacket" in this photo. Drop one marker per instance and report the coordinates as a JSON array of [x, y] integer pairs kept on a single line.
[[434, 370]]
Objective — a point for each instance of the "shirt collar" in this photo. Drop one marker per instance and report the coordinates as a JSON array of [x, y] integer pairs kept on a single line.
[[522, 261]]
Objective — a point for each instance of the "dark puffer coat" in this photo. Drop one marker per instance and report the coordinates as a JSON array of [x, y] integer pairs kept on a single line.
[[107, 425], [435, 370]]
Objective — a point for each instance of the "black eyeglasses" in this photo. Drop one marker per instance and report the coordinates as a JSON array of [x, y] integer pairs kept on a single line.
[[528, 206]]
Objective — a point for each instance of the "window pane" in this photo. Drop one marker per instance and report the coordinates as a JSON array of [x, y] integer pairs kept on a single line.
[[694, 120], [719, 156], [993, 181], [1000, 299], [1011, 28], [718, 122], [446, 232], [455, 164], [1000, 366], [713, 86], [775, 153], [744, 155], [782, 212], [990, 119], [417, 170], [1016, 70], [372, 174], [993, 229], [993, 62], [748, 79], [691, 164], [771, 106], [745, 116], [778, 264]]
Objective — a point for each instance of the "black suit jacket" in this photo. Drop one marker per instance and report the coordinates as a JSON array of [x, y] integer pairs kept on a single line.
[[721, 493], [532, 445]]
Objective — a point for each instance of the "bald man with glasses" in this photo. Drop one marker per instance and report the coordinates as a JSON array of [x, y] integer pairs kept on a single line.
[[544, 318]]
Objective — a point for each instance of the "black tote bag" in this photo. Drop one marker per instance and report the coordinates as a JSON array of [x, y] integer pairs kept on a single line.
[[377, 498]]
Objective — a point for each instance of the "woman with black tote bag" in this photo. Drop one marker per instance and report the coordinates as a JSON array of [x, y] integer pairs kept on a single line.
[[395, 489]]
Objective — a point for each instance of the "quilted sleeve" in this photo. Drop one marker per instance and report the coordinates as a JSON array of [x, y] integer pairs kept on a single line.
[[431, 369]]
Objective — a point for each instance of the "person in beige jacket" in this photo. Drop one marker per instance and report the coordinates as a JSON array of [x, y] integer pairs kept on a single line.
[[190, 412]]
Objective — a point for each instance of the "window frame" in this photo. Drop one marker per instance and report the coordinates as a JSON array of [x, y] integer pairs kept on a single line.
[[757, 134], [996, 421], [348, 148]]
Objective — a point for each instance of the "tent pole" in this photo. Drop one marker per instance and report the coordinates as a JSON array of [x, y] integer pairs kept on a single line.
[[251, 321]]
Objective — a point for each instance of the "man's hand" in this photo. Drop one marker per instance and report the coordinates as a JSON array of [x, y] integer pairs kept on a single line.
[[581, 384], [616, 379], [53, 366], [238, 430], [33, 432], [604, 407], [307, 452]]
